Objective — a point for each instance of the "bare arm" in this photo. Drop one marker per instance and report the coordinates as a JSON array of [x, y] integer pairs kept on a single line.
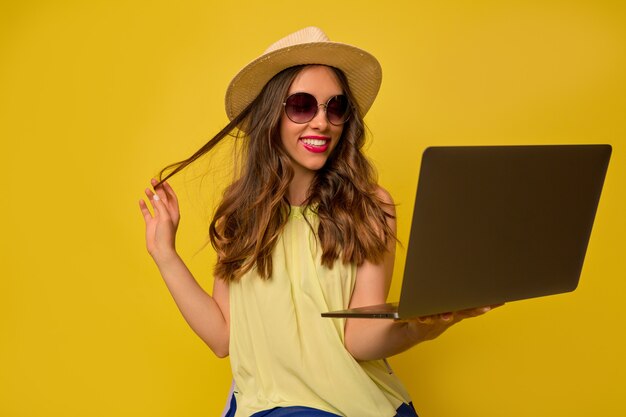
[[369, 339], [208, 316]]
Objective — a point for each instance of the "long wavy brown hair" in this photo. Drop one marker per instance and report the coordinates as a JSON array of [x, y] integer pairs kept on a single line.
[[254, 209]]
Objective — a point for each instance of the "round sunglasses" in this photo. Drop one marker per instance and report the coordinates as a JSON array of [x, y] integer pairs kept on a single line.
[[303, 107]]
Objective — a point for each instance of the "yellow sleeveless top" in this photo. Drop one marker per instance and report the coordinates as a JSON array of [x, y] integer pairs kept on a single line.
[[283, 353]]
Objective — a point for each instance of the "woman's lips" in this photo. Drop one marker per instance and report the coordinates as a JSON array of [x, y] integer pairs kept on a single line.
[[315, 144]]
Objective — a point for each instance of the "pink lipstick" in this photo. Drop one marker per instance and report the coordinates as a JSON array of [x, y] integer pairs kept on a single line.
[[315, 144]]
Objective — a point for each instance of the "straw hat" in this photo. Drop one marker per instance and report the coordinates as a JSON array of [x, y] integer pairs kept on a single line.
[[307, 46]]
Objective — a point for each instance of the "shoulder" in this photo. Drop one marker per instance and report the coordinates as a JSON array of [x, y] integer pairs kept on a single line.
[[385, 199], [383, 195]]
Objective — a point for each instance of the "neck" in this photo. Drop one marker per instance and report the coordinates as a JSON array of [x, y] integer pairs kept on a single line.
[[299, 187]]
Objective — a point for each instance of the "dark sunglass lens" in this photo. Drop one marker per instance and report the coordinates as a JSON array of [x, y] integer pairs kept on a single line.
[[337, 110], [301, 107]]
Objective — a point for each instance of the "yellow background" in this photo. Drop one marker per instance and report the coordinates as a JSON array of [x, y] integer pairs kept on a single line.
[[96, 96]]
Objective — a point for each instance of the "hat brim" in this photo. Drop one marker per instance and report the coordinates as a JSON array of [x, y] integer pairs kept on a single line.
[[360, 67]]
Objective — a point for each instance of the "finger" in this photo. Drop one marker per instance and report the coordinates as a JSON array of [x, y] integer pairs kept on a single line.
[[446, 316], [474, 312], [159, 207], [482, 310], [147, 216], [149, 193], [158, 188], [153, 198], [171, 195]]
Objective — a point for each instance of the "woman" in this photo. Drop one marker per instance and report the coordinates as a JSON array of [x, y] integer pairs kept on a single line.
[[303, 229]]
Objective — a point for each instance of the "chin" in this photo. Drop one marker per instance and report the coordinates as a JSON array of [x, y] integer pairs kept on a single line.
[[316, 167]]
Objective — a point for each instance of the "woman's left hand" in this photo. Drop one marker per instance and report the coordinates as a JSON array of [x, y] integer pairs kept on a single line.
[[430, 327]]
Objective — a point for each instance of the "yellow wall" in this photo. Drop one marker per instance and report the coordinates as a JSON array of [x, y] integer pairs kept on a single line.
[[96, 96]]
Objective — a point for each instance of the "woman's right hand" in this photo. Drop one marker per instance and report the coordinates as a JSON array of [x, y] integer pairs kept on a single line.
[[161, 227], [207, 315]]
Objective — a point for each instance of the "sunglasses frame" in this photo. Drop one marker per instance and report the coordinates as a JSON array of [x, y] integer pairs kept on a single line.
[[347, 115]]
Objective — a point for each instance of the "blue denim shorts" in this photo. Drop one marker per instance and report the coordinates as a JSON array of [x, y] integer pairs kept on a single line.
[[405, 410]]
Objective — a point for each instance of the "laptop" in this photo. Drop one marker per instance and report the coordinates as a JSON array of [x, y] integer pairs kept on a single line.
[[494, 224]]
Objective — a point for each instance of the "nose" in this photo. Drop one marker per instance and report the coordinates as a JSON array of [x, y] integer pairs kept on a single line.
[[320, 121]]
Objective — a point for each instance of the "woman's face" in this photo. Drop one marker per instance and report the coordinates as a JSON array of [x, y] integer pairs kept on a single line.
[[310, 144]]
